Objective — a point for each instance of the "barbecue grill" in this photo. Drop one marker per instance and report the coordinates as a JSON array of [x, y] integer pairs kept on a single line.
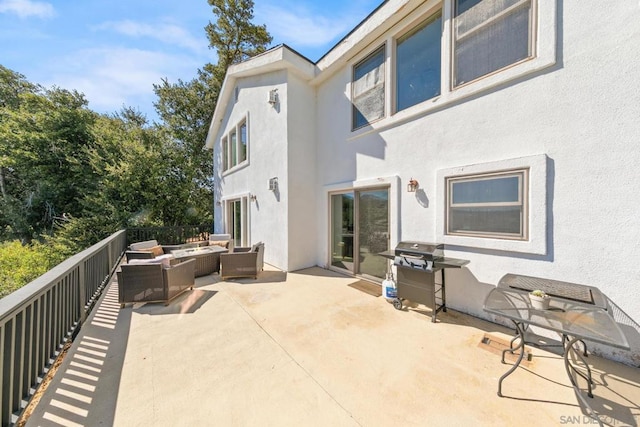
[[416, 264]]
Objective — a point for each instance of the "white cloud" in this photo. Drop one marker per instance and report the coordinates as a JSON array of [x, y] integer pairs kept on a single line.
[[111, 78], [27, 8], [165, 32], [298, 26]]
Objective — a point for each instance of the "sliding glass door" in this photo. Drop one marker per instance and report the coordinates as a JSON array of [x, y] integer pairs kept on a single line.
[[360, 230]]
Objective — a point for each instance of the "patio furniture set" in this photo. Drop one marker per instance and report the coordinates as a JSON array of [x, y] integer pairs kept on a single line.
[[159, 273]]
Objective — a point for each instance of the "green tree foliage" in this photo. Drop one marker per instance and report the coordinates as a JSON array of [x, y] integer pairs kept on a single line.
[[233, 36], [20, 264], [70, 177], [44, 135], [186, 107]]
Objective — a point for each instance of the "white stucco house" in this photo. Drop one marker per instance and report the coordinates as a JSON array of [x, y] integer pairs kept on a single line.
[[519, 119]]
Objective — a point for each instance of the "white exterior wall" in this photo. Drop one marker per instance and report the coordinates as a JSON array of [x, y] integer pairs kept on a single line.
[[580, 116], [301, 154], [267, 129], [583, 114]]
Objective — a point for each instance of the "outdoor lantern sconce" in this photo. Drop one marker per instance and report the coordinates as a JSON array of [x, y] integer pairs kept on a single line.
[[273, 184], [253, 197], [412, 186], [273, 96]]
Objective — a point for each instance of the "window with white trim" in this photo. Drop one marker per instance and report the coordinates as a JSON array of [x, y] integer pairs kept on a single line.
[[418, 57], [367, 89], [225, 154], [488, 205], [490, 35], [235, 146], [451, 50]]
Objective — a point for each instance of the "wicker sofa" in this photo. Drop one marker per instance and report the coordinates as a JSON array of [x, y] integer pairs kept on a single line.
[[150, 249], [242, 262], [158, 280]]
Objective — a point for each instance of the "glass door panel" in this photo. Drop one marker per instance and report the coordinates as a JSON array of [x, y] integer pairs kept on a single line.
[[342, 215], [237, 221], [373, 231]]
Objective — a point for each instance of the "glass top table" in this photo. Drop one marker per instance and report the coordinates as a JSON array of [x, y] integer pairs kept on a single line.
[[576, 312], [567, 317]]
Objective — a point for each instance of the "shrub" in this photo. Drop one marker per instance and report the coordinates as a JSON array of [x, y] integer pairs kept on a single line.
[[20, 264]]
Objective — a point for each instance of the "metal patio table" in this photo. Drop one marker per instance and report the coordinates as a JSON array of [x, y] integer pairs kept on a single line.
[[574, 320]]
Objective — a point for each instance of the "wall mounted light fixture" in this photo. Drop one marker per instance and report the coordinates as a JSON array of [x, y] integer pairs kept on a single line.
[[412, 186], [273, 184], [253, 197], [273, 96]]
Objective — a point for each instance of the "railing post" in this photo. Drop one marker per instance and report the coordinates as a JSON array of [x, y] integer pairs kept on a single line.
[[83, 291]]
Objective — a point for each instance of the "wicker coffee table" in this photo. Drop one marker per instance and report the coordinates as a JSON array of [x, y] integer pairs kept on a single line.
[[207, 258]]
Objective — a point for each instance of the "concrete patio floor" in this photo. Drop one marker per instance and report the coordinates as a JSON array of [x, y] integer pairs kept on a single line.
[[305, 349]]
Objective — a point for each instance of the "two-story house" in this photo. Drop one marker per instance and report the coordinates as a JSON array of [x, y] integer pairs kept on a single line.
[[517, 120]]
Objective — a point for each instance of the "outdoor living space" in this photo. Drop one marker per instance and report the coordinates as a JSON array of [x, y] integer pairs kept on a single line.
[[305, 348]]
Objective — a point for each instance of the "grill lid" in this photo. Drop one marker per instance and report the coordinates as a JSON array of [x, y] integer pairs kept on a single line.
[[429, 251]]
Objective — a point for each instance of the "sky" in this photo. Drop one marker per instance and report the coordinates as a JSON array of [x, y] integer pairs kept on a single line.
[[113, 51]]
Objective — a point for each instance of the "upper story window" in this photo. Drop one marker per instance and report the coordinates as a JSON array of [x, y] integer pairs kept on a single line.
[[490, 35], [451, 50], [488, 205], [418, 63], [235, 146], [367, 90]]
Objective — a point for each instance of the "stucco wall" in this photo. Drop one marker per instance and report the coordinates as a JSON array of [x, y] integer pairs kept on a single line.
[[581, 113], [301, 209], [267, 158]]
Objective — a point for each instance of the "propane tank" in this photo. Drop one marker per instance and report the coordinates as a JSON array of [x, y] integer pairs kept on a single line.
[[389, 291]]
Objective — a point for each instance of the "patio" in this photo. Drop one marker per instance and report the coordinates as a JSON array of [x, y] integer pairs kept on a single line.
[[303, 348]]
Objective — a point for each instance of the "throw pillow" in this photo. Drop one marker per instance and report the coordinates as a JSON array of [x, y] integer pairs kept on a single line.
[[223, 243], [156, 250]]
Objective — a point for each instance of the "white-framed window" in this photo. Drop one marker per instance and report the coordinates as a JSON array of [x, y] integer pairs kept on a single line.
[[490, 35], [488, 205], [235, 146], [480, 45], [225, 153], [499, 205], [368, 89], [418, 63]]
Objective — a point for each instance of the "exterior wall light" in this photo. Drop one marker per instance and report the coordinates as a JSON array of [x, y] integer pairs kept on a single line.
[[273, 96], [253, 197], [412, 186], [273, 184]]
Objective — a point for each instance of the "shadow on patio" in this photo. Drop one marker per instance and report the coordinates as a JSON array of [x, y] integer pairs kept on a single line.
[[303, 348]]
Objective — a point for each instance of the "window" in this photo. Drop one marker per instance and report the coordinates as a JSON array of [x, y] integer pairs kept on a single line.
[[490, 35], [418, 64], [225, 154], [489, 205], [233, 142], [367, 89], [242, 149], [235, 146]]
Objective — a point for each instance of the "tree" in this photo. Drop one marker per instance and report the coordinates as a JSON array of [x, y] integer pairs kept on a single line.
[[43, 168], [186, 107], [233, 36]]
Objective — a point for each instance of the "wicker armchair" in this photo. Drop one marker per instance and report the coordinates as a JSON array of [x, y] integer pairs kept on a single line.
[[154, 281], [242, 262]]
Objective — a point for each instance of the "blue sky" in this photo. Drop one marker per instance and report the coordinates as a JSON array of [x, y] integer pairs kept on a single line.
[[113, 51]]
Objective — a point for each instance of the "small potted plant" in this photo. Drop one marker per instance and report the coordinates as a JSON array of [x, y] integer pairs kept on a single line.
[[539, 299]]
